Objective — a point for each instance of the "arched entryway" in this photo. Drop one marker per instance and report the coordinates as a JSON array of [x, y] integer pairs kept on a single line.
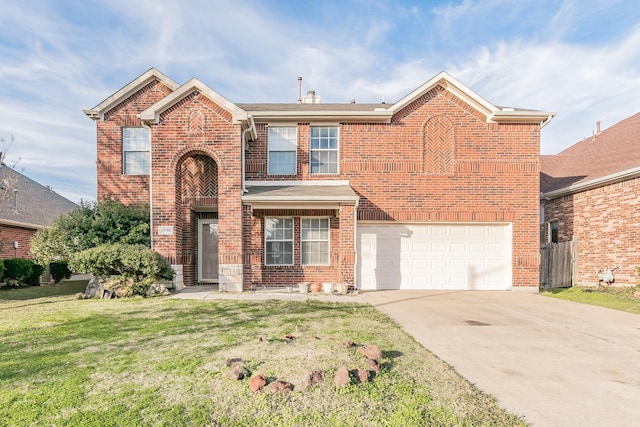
[[198, 206]]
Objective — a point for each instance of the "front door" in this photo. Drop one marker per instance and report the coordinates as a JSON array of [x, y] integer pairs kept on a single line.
[[208, 250]]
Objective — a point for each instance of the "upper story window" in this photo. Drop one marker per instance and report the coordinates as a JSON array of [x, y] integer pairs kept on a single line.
[[278, 236], [136, 155], [283, 142], [324, 149]]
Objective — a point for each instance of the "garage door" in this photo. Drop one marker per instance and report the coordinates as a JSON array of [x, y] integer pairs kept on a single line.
[[434, 256]]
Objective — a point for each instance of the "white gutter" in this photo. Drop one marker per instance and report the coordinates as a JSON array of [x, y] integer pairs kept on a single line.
[[597, 182], [382, 116], [252, 130], [522, 116], [21, 224]]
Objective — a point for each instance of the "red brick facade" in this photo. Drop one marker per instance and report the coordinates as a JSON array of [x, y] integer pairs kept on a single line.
[[606, 222], [438, 159], [10, 234]]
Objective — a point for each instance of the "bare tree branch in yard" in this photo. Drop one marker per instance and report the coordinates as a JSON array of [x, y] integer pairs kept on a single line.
[[8, 178]]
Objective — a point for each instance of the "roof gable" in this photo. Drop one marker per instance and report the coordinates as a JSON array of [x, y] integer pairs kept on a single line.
[[152, 114], [610, 155], [98, 112], [490, 111]]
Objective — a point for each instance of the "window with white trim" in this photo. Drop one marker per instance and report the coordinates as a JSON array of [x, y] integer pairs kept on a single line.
[[324, 149], [314, 237], [283, 142], [278, 241], [136, 155]]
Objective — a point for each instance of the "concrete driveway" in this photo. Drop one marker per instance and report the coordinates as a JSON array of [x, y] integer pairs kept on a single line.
[[553, 362]]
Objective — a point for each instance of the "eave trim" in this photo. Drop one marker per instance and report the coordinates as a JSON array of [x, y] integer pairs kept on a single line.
[[593, 183]]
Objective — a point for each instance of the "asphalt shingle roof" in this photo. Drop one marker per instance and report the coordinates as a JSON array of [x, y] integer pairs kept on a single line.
[[32, 204], [613, 150]]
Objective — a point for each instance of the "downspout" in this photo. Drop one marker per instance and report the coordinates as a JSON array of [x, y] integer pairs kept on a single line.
[[144, 125], [252, 130]]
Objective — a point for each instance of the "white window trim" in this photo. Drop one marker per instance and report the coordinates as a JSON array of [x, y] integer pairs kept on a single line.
[[337, 150], [328, 239], [124, 171], [293, 239], [295, 151]]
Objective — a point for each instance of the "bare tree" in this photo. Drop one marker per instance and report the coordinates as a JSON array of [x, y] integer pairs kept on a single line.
[[8, 178]]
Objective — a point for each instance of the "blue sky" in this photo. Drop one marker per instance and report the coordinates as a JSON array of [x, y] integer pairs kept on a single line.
[[580, 58]]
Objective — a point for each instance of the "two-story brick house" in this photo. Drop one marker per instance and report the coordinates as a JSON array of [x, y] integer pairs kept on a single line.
[[436, 191]]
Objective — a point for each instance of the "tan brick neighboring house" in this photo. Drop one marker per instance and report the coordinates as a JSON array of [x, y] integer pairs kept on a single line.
[[436, 191], [591, 192], [25, 207]]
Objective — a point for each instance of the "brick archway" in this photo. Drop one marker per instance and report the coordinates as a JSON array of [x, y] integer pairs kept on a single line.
[[196, 198]]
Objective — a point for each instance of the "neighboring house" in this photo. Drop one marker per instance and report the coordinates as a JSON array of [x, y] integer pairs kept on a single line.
[[25, 207], [590, 192], [436, 191]]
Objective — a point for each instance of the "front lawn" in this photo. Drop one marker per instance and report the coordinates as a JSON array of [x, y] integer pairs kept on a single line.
[[162, 361], [616, 298]]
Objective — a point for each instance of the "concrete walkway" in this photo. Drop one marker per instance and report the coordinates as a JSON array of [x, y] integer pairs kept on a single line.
[[556, 363], [208, 293]]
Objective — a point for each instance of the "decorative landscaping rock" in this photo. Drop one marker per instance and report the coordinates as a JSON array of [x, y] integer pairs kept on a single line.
[[279, 387], [363, 375], [374, 365], [257, 382], [237, 372], [233, 361], [371, 351], [313, 377], [157, 289], [342, 378], [92, 287]]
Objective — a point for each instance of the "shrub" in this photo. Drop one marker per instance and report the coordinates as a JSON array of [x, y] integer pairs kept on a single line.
[[90, 225], [17, 269], [59, 270], [36, 272], [133, 268]]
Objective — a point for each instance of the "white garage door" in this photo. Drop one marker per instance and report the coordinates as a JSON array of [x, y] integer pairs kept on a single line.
[[434, 256]]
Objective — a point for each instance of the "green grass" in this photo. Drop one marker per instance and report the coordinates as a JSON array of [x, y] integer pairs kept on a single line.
[[616, 298], [161, 362]]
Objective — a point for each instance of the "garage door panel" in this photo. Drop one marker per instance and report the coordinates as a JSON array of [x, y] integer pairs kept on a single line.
[[434, 256]]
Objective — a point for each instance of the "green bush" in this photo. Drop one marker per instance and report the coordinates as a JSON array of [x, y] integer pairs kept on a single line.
[[132, 268], [17, 269], [90, 225], [59, 270], [36, 272]]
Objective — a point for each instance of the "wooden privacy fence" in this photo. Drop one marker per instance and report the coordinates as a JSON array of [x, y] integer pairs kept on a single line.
[[558, 264]]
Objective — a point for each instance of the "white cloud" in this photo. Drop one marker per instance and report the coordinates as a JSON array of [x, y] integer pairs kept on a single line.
[[579, 59]]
